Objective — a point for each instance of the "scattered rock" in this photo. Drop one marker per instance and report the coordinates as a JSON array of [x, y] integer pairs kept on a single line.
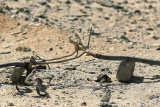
[[125, 71], [23, 48]]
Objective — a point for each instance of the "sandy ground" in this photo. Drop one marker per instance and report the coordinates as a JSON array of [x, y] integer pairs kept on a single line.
[[46, 29]]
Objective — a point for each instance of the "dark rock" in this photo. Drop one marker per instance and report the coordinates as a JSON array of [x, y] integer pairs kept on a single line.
[[134, 22], [106, 70], [42, 2], [155, 37], [132, 30], [155, 77], [137, 12], [68, 2], [70, 68], [124, 38], [107, 18], [72, 18], [50, 49], [158, 25], [150, 7], [151, 97], [10, 104], [125, 71], [5, 52], [102, 78], [150, 29], [158, 48], [92, 72], [105, 104], [84, 104]]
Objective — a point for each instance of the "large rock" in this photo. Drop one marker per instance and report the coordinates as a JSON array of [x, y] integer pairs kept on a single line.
[[125, 71], [17, 74]]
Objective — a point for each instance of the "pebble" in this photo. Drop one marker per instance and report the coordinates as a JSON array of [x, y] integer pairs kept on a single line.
[[72, 18], [124, 38], [23, 48], [106, 96], [156, 77], [8, 52], [151, 97], [155, 37], [150, 29], [158, 25], [10, 104], [42, 2]]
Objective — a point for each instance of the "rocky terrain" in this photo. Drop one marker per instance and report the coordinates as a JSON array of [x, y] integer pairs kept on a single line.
[[43, 27]]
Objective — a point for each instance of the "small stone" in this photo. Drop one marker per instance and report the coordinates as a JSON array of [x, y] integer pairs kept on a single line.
[[5, 52], [150, 29], [107, 18], [134, 22], [84, 104], [151, 97], [105, 104], [158, 25], [106, 96], [42, 2], [23, 48], [158, 48], [107, 3], [10, 104], [50, 49], [124, 38], [72, 18], [68, 2], [156, 77], [155, 37], [125, 71], [92, 72]]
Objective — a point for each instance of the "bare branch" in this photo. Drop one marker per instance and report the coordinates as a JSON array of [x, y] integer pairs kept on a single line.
[[127, 58]]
